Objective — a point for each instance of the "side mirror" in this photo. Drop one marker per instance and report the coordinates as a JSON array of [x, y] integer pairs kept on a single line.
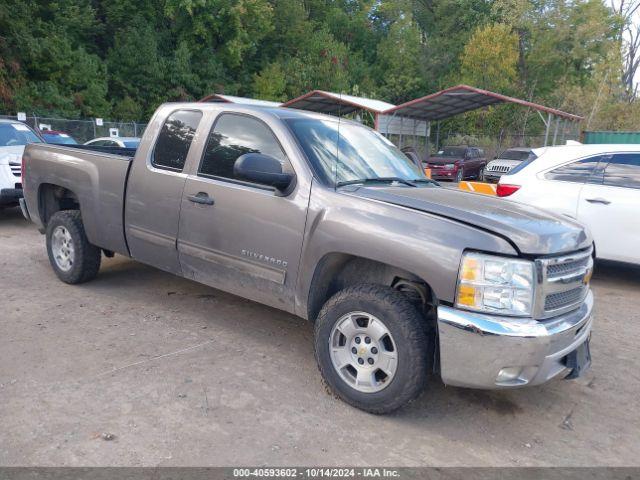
[[262, 169]]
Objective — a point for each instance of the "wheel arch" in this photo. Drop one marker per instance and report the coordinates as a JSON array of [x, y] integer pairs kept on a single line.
[[337, 271], [54, 198]]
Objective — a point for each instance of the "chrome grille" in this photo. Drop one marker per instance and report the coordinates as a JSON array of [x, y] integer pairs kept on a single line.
[[561, 283], [563, 269], [564, 299], [499, 168], [16, 169]]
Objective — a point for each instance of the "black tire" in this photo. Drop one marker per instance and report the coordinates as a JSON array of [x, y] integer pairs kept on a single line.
[[407, 327], [86, 257], [460, 176]]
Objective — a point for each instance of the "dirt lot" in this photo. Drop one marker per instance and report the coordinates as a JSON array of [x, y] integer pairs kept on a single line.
[[181, 374]]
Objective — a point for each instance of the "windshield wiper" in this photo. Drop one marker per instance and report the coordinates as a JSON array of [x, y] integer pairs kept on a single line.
[[404, 181], [376, 180]]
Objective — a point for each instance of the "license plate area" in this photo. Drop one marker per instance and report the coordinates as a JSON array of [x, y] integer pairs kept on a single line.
[[579, 360]]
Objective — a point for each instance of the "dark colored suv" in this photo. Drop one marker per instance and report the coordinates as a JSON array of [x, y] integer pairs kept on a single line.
[[457, 163]]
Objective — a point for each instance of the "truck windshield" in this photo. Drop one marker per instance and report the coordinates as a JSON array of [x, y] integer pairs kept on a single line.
[[16, 134], [457, 152], [343, 152]]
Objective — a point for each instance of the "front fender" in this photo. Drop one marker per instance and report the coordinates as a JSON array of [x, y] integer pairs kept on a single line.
[[427, 246]]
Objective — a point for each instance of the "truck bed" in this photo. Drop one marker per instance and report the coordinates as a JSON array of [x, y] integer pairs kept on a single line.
[[96, 178], [120, 151]]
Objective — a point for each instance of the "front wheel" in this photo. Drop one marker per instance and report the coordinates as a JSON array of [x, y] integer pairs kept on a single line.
[[72, 257], [372, 347], [459, 176]]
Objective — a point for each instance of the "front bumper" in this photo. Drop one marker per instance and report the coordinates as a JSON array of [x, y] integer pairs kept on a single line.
[[443, 174], [475, 348], [10, 196]]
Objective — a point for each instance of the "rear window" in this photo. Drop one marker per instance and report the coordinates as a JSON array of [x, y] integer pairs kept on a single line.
[[61, 138], [515, 155], [174, 140]]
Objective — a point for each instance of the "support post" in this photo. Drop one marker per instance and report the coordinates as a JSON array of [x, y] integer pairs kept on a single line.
[[555, 130], [546, 132]]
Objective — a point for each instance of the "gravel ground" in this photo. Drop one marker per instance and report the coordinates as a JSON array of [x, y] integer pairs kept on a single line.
[[141, 368]]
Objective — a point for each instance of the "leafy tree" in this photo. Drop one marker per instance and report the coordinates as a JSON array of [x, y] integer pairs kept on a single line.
[[489, 59]]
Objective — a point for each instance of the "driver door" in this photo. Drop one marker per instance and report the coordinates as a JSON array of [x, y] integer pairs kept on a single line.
[[238, 236]]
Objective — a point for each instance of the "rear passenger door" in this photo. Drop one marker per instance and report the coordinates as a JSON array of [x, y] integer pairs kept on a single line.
[[154, 191], [609, 205], [561, 186], [235, 235]]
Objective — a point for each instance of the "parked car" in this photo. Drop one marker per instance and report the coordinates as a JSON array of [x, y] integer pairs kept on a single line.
[[56, 136], [14, 135], [505, 162], [122, 142], [598, 185], [326, 219], [457, 163]]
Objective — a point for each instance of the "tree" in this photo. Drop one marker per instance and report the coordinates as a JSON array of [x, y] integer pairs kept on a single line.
[[489, 59]]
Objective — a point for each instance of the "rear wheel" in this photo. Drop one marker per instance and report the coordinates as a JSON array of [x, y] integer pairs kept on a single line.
[[459, 176], [72, 257], [372, 348]]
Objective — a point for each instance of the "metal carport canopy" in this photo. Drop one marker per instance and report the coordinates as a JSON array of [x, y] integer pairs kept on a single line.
[[336, 103], [463, 98], [222, 98]]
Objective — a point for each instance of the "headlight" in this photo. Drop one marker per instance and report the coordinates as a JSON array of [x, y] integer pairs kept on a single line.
[[450, 166], [492, 284]]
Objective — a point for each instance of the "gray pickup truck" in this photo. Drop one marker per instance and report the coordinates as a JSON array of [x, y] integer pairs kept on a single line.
[[326, 219]]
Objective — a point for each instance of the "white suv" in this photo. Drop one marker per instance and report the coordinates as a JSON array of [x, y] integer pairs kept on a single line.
[[14, 136], [599, 185]]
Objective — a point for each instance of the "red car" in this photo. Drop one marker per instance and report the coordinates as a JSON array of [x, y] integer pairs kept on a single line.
[[457, 163]]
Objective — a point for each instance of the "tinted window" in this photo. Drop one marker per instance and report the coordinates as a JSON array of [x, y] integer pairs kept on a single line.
[[233, 136], [515, 155], [576, 172], [175, 139], [62, 138], [623, 171]]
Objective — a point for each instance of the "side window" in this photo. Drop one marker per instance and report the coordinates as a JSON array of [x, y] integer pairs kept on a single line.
[[623, 171], [174, 140], [575, 172], [233, 136]]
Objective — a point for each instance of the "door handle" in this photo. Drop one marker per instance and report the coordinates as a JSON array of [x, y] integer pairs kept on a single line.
[[201, 197], [603, 201]]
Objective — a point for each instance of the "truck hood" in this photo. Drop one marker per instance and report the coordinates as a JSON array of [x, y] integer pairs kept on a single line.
[[530, 230], [11, 154]]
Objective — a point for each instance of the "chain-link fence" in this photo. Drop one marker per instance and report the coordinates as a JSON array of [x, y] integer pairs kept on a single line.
[[84, 130]]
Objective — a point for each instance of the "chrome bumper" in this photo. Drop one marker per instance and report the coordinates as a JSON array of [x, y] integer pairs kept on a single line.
[[475, 348], [24, 210]]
